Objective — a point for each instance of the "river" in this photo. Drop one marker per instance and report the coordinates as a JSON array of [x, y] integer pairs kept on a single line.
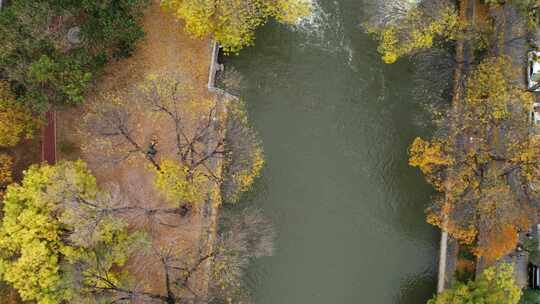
[[336, 123]]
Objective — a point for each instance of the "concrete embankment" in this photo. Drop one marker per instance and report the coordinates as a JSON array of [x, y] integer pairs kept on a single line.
[[210, 210]]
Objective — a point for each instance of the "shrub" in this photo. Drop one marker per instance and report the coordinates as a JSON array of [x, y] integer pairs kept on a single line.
[[530, 296]]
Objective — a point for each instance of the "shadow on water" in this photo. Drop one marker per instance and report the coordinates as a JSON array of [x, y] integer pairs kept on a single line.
[[416, 289]]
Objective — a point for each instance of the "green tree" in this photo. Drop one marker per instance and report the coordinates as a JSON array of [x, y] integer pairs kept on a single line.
[[37, 58], [496, 285], [233, 23], [54, 242], [58, 78], [530, 296]]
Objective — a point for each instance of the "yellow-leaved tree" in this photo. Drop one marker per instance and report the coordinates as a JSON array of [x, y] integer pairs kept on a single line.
[[491, 91], [60, 241], [205, 140], [16, 120], [485, 165], [233, 23], [431, 158], [415, 28], [6, 164], [496, 285], [179, 185]]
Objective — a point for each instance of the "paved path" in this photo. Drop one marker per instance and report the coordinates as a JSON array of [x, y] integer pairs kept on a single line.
[[48, 138], [464, 54]]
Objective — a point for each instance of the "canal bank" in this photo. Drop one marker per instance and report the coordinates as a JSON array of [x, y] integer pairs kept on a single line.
[[336, 123]]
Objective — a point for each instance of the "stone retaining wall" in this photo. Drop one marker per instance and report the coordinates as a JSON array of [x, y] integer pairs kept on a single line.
[[216, 67]]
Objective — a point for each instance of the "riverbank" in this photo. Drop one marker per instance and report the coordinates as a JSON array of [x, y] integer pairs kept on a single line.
[[166, 50], [512, 43], [508, 41], [449, 247]]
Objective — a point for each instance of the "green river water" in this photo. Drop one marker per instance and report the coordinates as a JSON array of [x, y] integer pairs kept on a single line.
[[336, 122]]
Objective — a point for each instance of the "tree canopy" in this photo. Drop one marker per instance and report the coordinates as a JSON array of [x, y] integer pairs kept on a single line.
[[233, 23], [16, 120], [485, 165], [407, 29], [200, 139], [492, 95], [245, 160], [54, 242], [40, 61], [6, 174], [496, 285], [179, 185]]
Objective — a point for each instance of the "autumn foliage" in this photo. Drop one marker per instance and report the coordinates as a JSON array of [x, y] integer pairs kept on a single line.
[[485, 164], [6, 164], [498, 243], [16, 120], [55, 245], [496, 285], [233, 23], [246, 157], [416, 29], [491, 94], [180, 186], [430, 158]]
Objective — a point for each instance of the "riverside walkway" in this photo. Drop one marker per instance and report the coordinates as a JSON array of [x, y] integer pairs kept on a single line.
[[449, 247]]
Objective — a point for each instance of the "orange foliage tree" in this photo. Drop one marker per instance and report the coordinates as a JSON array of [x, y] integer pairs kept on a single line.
[[485, 165], [497, 243]]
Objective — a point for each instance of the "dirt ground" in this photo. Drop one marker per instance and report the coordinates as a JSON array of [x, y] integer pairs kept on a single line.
[[166, 49], [25, 154]]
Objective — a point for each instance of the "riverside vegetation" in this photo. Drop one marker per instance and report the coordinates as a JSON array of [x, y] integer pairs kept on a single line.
[[483, 159], [65, 237]]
